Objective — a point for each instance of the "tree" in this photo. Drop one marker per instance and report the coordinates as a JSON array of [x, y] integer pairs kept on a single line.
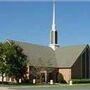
[[2, 62], [15, 61]]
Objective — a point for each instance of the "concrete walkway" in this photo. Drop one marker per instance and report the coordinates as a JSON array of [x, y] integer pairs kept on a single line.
[[4, 88]]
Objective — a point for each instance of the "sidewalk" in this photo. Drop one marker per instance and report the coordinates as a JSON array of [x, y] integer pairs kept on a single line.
[[4, 88]]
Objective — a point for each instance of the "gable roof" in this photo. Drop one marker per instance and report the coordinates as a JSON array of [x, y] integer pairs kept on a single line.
[[38, 55], [67, 56], [62, 57]]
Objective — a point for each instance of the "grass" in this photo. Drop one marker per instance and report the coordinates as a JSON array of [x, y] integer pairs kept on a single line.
[[49, 87]]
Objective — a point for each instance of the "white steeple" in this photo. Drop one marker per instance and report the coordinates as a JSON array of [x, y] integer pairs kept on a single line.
[[53, 32], [54, 18]]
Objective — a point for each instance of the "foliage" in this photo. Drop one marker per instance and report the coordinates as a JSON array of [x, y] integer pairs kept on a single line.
[[15, 61], [2, 61], [35, 74], [60, 78], [79, 81]]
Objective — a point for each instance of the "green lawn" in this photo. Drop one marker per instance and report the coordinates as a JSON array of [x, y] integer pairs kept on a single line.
[[50, 87]]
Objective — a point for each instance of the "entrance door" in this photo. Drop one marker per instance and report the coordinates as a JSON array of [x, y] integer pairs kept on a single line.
[[42, 77]]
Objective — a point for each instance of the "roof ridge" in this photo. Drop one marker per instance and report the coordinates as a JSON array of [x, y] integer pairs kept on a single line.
[[28, 43]]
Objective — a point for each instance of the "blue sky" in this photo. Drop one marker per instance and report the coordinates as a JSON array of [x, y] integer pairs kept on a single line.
[[31, 22]]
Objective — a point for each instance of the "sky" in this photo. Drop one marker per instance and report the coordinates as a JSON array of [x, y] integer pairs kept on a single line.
[[31, 22]]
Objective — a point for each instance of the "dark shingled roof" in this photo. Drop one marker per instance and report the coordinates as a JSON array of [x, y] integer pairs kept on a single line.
[[46, 57]]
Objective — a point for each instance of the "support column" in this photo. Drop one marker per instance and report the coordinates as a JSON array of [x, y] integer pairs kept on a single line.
[[45, 76], [28, 72]]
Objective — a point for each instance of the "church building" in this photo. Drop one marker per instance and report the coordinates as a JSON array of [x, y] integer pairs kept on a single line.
[[73, 62]]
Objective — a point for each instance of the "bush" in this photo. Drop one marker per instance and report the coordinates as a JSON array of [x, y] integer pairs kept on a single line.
[[78, 81], [60, 78], [31, 77], [4, 82]]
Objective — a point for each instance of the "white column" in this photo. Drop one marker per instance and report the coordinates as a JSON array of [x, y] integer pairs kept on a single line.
[[45, 76]]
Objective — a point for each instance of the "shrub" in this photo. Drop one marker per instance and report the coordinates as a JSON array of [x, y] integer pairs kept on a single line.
[[78, 81], [60, 78]]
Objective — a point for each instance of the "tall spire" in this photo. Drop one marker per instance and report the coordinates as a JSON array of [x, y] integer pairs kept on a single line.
[[54, 18], [53, 32]]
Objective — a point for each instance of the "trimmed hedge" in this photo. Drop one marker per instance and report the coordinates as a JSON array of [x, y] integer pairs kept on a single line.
[[78, 81]]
